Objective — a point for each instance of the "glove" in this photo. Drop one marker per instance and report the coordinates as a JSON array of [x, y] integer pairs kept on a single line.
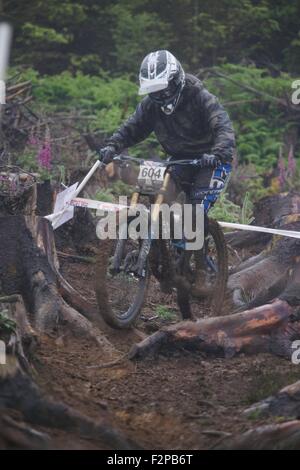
[[107, 154], [209, 161]]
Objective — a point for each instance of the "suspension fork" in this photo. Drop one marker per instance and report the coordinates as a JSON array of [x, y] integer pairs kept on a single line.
[[146, 245], [118, 255], [161, 197]]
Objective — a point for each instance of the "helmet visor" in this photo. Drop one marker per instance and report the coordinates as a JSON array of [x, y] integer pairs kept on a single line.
[[165, 96], [152, 86]]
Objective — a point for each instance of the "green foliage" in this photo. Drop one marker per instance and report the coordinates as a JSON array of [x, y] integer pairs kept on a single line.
[[115, 34], [29, 162], [247, 210], [164, 313], [119, 188], [267, 383], [258, 121], [259, 124], [227, 211], [255, 415], [107, 102], [105, 195], [245, 179], [135, 34], [259, 143], [6, 324], [47, 35]]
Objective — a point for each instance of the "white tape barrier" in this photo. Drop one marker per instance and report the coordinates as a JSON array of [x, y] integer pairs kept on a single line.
[[99, 205], [65, 203], [67, 200], [253, 228]]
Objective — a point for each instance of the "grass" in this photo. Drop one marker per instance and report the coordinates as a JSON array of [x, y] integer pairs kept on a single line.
[[269, 383], [165, 313], [105, 196]]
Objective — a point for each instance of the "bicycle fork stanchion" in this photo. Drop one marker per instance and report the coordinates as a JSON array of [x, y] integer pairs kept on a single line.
[[146, 245], [160, 199], [134, 199]]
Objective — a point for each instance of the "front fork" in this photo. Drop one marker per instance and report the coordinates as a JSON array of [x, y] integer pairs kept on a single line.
[[118, 255], [146, 244]]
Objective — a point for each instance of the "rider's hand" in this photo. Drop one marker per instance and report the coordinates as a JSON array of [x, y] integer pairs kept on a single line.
[[106, 154], [209, 161]]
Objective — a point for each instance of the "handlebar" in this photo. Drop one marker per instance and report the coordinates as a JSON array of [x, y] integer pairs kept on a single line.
[[123, 158]]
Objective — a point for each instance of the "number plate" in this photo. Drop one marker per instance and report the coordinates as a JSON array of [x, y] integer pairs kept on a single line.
[[151, 174]]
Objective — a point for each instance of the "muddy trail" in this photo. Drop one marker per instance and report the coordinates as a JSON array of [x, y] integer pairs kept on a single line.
[[182, 400]]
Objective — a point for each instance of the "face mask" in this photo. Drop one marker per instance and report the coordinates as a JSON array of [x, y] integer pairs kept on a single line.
[[169, 108]]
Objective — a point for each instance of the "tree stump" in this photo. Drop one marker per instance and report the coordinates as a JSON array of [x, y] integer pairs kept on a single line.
[[37, 300]]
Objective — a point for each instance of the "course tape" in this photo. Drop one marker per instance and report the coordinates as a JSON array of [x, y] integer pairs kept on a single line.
[[253, 228], [93, 204]]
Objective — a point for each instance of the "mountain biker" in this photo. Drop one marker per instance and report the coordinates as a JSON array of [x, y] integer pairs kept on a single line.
[[189, 123]]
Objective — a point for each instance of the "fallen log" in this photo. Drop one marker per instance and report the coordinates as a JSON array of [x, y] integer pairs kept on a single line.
[[269, 328], [265, 276]]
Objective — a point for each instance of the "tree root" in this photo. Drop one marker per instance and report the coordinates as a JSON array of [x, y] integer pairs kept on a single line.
[[17, 391], [17, 435], [285, 403], [284, 436]]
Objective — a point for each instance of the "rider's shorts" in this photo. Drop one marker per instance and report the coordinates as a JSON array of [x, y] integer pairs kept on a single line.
[[202, 185]]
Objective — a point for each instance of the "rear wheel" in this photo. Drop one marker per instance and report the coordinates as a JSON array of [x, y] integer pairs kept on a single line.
[[207, 270]]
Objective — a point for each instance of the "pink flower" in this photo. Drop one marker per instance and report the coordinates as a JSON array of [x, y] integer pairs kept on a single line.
[[44, 156], [291, 167]]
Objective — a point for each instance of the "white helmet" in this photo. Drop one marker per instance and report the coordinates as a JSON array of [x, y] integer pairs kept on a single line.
[[162, 78]]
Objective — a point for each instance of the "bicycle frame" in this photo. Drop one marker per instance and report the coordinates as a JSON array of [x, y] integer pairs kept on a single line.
[[146, 244]]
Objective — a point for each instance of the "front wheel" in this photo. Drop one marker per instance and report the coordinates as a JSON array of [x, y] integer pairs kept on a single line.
[[121, 294]]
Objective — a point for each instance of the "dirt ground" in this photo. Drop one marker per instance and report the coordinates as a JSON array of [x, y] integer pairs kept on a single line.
[[180, 401]]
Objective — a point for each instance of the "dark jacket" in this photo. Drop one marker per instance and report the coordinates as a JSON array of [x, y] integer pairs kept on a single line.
[[198, 125]]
